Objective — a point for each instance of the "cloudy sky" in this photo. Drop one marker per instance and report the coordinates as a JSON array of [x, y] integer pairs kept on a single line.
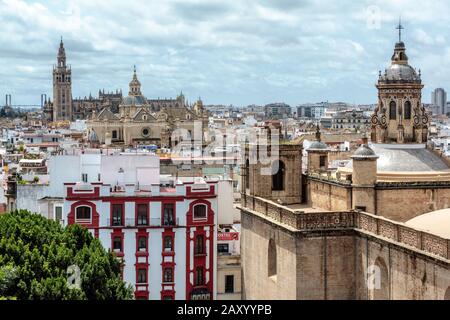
[[227, 52]]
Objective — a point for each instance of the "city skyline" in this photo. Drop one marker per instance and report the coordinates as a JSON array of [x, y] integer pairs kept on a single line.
[[235, 53]]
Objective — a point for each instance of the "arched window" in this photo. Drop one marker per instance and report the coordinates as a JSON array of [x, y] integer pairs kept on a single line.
[[379, 280], [83, 213], [392, 110], [407, 110], [278, 175], [200, 211], [272, 258], [199, 244]]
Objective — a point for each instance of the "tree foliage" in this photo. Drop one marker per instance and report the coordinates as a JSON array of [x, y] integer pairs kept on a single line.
[[35, 254]]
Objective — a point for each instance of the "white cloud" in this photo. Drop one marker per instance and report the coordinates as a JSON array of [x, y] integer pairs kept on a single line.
[[239, 52]]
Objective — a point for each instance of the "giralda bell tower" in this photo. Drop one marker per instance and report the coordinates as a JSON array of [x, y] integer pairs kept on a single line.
[[62, 87]]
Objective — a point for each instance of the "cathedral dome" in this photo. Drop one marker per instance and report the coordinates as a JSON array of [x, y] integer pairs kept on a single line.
[[398, 72], [133, 101]]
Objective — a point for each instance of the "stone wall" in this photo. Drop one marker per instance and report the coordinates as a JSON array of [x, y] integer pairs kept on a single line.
[[407, 203], [329, 196], [326, 255], [254, 251]]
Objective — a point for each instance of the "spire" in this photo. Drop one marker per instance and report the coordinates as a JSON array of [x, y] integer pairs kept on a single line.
[[61, 55]]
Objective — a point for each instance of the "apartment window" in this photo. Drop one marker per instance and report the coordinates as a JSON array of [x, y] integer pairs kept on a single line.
[[229, 284], [117, 214], [167, 298], [168, 275], [200, 211], [223, 248], [114, 134], [168, 243], [142, 276], [142, 214], [199, 280], [117, 244], [168, 216], [58, 213], [142, 244], [84, 177], [199, 244], [83, 213]]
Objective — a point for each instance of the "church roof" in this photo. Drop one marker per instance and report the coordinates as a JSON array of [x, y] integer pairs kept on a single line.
[[406, 158]]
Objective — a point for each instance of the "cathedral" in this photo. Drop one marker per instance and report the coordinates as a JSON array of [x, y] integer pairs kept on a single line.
[[142, 121], [374, 229], [117, 119]]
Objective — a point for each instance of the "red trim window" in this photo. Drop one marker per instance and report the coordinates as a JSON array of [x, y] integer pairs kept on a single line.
[[117, 214], [199, 276], [142, 243], [142, 214], [168, 243], [167, 296], [83, 214], [141, 276], [168, 275], [117, 242], [199, 245], [200, 212], [168, 214]]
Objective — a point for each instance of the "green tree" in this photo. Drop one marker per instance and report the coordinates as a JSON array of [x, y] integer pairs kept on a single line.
[[35, 254]]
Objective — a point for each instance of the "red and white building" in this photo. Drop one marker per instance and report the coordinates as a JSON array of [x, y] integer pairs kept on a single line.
[[163, 229]]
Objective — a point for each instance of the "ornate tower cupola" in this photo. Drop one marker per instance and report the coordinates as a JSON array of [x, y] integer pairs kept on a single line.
[[135, 85], [399, 116]]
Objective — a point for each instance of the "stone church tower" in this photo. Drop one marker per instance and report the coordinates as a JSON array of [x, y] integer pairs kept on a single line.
[[400, 116], [62, 87]]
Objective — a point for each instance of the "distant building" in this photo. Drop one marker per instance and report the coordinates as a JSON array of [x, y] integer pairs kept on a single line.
[[277, 110], [315, 110], [439, 98], [350, 119]]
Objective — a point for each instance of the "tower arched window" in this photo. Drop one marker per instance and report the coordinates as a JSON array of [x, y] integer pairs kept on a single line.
[[278, 172], [272, 258], [407, 110], [392, 110]]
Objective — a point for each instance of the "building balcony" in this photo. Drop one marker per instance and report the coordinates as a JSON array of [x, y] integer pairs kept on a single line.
[[132, 223]]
